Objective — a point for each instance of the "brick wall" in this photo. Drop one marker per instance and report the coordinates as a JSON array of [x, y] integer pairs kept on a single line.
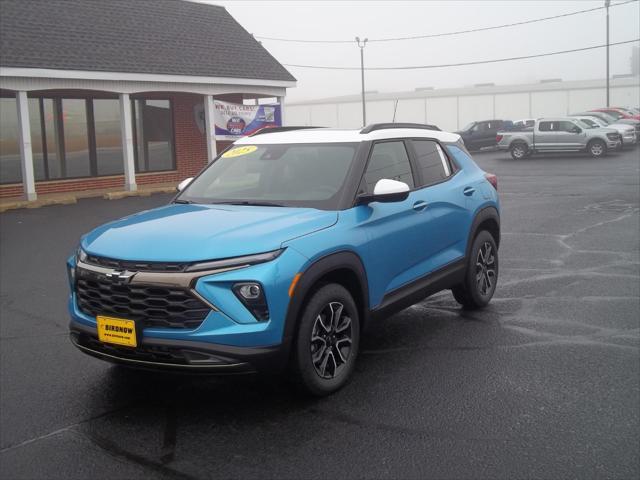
[[190, 148]]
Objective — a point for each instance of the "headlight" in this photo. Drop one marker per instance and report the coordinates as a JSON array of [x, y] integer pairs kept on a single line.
[[612, 136], [235, 261], [81, 255]]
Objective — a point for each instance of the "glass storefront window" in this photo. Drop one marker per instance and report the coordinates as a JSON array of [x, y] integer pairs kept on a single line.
[[106, 117], [10, 168], [154, 135], [76, 138], [81, 137], [39, 167]]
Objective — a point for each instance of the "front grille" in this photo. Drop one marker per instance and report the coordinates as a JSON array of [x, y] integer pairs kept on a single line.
[[153, 306], [136, 266]]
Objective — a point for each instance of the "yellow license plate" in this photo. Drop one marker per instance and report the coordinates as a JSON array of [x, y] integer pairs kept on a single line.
[[117, 330]]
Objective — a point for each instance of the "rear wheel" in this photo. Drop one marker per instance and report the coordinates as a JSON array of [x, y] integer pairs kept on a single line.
[[327, 342], [481, 276], [519, 151], [597, 148]]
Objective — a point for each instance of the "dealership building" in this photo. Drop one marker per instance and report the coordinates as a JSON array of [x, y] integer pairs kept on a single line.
[[99, 95]]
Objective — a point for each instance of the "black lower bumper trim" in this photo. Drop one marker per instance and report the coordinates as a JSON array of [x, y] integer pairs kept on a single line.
[[181, 356]]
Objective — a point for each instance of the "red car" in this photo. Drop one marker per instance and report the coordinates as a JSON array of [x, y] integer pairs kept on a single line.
[[618, 112]]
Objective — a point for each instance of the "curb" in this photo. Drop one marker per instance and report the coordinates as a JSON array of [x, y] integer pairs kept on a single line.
[[71, 199]]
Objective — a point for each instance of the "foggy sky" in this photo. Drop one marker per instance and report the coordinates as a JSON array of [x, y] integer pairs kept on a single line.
[[345, 20]]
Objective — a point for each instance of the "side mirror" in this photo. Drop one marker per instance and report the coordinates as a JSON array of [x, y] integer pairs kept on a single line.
[[184, 184], [386, 191], [576, 130]]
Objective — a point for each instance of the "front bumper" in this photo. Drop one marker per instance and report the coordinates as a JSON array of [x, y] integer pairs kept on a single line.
[[229, 339], [181, 356], [613, 144]]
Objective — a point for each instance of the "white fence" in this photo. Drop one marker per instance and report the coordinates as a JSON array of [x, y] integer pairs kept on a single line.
[[451, 109]]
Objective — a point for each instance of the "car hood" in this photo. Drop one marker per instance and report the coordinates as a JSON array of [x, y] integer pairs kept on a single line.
[[186, 233], [622, 127]]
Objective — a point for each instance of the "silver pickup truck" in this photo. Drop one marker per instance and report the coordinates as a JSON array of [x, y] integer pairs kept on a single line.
[[561, 134]]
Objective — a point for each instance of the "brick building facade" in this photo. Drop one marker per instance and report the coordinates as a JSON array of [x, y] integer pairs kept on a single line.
[[115, 110]]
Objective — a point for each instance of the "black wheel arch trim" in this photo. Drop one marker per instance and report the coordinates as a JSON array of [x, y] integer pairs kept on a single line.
[[344, 259], [486, 213]]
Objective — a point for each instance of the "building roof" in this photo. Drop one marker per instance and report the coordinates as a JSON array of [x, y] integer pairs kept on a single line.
[[173, 37], [331, 135]]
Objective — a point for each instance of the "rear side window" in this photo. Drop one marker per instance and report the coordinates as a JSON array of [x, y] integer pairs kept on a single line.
[[433, 164], [388, 160]]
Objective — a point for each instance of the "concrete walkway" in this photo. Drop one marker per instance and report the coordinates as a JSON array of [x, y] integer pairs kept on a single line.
[[12, 203]]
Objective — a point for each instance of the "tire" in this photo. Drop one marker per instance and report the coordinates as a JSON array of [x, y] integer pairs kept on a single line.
[[327, 341], [597, 148], [519, 150], [476, 292]]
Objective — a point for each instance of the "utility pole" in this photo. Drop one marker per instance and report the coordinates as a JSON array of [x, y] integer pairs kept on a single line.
[[364, 108], [606, 4]]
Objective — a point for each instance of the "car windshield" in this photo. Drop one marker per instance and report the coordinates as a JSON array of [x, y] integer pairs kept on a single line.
[[582, 124], [590, 123], [468, 127], [291, 175], [614, 114]]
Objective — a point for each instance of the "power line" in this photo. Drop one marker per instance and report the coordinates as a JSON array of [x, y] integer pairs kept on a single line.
[[446, 34], [497, 60]]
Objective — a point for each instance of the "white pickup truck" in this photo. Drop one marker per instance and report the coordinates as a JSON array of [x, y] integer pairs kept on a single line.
[[561, 134]]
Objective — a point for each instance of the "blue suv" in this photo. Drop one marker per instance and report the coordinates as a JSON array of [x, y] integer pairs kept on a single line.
[[280, 251]]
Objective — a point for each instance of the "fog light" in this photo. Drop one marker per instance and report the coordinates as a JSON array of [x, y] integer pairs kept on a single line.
[[251, 294], [250, 291]]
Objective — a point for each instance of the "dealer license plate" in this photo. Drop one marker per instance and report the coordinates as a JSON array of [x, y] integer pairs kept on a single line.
[[117, 330]]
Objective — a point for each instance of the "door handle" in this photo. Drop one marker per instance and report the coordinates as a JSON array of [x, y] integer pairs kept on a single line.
[[468, 191], [419, 206]]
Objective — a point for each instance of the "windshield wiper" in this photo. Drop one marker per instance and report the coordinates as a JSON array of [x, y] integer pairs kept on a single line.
[[256, 203], [183, 201]]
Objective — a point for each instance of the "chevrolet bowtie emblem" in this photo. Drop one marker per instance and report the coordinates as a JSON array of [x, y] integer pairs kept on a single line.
[[120, 275]]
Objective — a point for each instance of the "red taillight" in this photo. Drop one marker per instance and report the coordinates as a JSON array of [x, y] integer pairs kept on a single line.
[[499, 138], [492, 179]]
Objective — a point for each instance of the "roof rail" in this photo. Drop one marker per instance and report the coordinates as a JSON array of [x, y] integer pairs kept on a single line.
[[383, 126], [279, 129]]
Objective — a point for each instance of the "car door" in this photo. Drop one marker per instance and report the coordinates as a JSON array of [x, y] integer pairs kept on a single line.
[[395, 231], [447, 196], [489, 133], [545, 135], [570, 136], [472, 137]]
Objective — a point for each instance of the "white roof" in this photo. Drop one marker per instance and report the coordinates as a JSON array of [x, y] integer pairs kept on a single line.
[[327, 135]]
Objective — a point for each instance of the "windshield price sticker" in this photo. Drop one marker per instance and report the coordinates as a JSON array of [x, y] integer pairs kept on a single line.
[[238, 151]]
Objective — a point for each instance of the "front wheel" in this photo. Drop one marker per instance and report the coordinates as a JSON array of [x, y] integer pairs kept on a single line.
[[481, 276], [327, 342], [519, 151], [597, 148]]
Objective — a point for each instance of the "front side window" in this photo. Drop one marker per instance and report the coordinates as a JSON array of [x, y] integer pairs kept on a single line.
[[294, 175], [388, 160], [432, 162]]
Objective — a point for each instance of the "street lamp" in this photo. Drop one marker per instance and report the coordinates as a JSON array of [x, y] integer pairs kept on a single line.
[[364, 108], [606, 4]]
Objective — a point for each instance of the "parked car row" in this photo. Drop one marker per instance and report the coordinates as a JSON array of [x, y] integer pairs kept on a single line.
[[596, 132]]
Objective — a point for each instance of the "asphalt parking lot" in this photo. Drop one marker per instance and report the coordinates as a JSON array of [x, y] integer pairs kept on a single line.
[[544, 383]]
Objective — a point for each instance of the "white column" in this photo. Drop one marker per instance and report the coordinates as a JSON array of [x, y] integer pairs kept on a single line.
[[210, 128], [26, 154], [281, 102], [127, 143]]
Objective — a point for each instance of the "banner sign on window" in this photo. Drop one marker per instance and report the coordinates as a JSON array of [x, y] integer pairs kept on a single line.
[[233, 120]]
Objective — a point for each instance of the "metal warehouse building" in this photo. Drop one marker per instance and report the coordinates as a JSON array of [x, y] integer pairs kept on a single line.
[[453, 108], [119, 93]]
